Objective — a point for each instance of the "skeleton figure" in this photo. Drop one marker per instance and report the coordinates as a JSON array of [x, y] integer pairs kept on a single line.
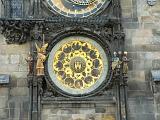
[[2, 2], [151, 2], [41, 57], [125, 63]]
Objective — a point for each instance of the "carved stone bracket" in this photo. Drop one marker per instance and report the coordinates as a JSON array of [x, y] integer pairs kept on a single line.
[[119, 35], [15, 31]]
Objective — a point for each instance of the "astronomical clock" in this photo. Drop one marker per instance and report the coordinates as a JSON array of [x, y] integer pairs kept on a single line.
[[79, 56], [71, 50], [78, 64], [81, 37], [77, 8], [78, 60]]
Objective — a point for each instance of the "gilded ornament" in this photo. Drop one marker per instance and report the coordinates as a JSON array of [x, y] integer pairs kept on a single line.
[[41, 57], [79, 64]]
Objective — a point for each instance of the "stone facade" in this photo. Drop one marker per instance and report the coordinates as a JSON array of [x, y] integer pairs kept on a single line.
[[141, 24], [14, 100], [142, 28], [79, 112]]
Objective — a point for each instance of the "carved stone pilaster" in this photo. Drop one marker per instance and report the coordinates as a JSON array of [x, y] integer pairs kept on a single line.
[[30, 80], [39, 84]]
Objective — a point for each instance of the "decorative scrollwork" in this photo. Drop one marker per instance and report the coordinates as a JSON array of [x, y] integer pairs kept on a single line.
[[15, 31], [20, 31]]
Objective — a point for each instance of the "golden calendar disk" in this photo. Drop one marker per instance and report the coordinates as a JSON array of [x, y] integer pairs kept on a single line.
[[77, 65], [81, 68]]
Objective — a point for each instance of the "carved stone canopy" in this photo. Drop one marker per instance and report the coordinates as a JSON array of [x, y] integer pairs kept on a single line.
[[22, 30]]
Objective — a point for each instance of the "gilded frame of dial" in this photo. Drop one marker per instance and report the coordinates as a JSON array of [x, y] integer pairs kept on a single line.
[[73, 9], [67, 70]]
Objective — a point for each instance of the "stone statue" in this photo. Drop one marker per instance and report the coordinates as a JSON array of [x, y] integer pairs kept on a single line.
[[41, 57], [2, 2], [115, 61], [125, 63], [29, 60]]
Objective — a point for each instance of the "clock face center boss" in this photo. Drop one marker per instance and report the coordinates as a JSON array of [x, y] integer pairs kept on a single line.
[[77, 65]]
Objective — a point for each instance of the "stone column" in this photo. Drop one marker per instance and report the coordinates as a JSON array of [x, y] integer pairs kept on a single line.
[[35, 100]]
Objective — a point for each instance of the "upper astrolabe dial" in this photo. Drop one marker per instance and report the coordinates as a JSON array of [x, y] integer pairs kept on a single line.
[[76, 8]]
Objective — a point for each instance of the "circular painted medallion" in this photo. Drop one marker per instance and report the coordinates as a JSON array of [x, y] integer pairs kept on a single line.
[[76, 8], [77, 65]]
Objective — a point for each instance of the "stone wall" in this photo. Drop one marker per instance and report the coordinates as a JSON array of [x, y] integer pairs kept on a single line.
[[141, 25], [142, 28], [14, 99], [79, 112]]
